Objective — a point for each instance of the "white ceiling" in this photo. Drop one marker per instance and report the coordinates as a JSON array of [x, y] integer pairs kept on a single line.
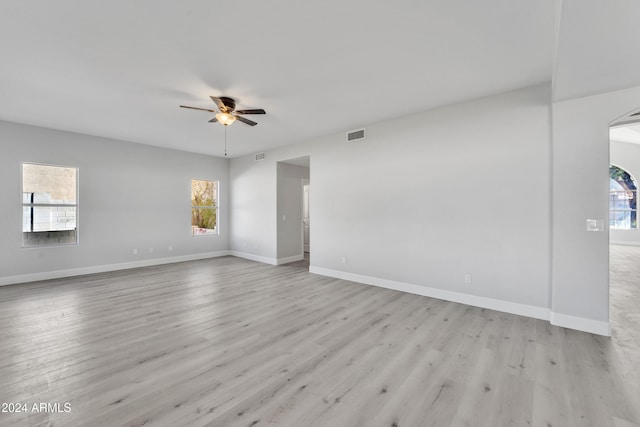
[[120, 69], [627, 133], [597, 47]]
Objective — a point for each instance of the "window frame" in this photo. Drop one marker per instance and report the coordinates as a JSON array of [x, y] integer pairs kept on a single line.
[[50, 205], [633, 218], [216, 207]]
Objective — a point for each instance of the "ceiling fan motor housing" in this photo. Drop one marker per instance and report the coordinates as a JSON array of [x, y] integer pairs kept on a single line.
[[230, 103]]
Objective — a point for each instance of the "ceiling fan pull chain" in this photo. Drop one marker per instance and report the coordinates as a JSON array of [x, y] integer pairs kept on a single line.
[[225, 141]]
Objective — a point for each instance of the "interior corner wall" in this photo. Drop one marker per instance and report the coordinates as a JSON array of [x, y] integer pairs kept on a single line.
[[424, 201], [580, 266], [253, 208], [131, 196], [289, 213], [627, 156]]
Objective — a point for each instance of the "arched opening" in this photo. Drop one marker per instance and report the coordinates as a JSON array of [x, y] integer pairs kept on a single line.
[[624, 236]]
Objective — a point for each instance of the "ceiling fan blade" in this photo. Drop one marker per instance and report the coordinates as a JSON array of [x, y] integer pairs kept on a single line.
[[247, 121], [254, 111], [221, 105], [213, 120], [196, 108]]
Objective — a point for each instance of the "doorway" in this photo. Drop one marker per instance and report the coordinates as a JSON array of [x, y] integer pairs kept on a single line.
[[306, 222], [293, 210], [624, 227]]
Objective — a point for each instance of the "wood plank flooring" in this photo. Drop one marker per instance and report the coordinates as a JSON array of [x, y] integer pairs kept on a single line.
[[230, 342]]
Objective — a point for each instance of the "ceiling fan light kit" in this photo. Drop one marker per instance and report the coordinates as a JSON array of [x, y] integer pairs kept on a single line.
[[225, 118]]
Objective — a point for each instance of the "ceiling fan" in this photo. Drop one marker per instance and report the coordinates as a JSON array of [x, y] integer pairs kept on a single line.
[[228, 113]]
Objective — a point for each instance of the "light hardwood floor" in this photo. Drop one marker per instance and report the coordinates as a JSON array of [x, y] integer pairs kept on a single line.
[[230, 342]]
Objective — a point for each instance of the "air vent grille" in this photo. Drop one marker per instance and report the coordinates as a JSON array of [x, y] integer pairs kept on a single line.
[[260, 156], [356, 135]]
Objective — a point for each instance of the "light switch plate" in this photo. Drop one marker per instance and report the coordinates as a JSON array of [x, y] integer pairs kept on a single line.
[[595, 225]]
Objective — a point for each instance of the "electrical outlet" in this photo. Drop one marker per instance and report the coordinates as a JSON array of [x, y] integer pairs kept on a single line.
[[135, 252], [170, 248], [344, 259], [467, 278]]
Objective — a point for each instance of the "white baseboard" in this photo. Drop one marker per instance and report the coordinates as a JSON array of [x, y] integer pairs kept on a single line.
[[476, 301], [267, 260], [57, 274], [252, 257], [623, 243], [289, 259], [581, 324], [557, 319], [542, 313]]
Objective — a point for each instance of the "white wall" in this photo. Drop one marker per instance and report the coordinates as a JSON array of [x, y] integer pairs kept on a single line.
[[424, 200], [289, 216], [580, 279], [627, 156], [253, 208], [131, 196]]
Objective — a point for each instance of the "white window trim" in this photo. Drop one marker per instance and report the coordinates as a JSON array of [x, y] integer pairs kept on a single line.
[[76, 205], [216, 231]]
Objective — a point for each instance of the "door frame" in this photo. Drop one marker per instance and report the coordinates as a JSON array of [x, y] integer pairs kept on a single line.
[[306, 181]]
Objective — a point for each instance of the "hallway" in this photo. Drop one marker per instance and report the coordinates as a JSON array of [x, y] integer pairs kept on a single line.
[[624, 284]]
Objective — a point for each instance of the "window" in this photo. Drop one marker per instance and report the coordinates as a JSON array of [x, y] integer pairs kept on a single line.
[[49, 205], [623, 196], [204, 207]]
